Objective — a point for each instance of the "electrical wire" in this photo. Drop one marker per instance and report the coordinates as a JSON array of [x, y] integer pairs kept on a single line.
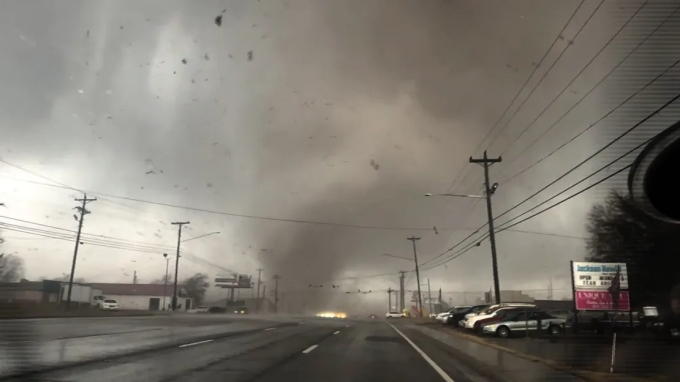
[[658, 110], [106, 243], [579, 182], [592, 89], [561, 177], [196, 209], [596, 122], [476, 243], [538, 65], [577, 75]]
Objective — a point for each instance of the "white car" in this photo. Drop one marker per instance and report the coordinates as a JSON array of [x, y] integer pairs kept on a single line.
[[394, 315], [491, 311], [109, 305]]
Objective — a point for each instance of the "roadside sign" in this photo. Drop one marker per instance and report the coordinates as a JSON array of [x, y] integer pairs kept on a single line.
[[233, 281], [597, 276], [600, 300]]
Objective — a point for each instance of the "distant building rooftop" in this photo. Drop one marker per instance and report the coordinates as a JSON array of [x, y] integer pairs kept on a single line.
[[137, 289]]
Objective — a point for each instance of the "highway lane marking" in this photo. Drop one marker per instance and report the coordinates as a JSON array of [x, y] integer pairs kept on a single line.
[[310, 349], [429, 360], [195, 343], [337, 332], [270, 329]]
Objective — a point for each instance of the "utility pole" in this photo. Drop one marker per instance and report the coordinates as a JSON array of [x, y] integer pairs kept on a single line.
[[83, 212], [257, 300], [550, 289], [165, 279], [276, 293], [415, 256], [429, 295], [486, 162], [134, 278], [389, 299], [264, 295], [402, 302], [179, 239]]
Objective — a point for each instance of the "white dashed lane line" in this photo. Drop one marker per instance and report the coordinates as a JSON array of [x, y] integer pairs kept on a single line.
[[270, 329], [310, 349], [337, 332], [195, 343]]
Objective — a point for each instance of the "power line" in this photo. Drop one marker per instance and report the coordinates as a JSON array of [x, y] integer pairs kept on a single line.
[[548, 234], [580, 181], [538, 65], [593, 88], [246, 216], [596, 122], [658, 110], [562, 176], [108, 244], [547, 72], [578, 74], [476, 243]]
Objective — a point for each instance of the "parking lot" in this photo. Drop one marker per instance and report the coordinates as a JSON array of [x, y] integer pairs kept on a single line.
[[638, 353]]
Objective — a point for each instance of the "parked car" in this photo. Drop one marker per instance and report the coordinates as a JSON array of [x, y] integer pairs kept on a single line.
[[455, 317], [501, 315], [241, 310], [202, 309], [488, 312], [394, 315], [443, 315], [564, 314], [108, 304], [523, 321]]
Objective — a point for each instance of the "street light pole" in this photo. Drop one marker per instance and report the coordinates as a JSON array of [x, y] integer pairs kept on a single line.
[[179, 240], [486, 162], [415, 256]]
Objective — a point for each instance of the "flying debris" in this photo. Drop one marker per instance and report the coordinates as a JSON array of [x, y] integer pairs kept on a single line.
[[218, 20], [435, 230], [150, 172], [75, 217], [184, 61], [250, 55]]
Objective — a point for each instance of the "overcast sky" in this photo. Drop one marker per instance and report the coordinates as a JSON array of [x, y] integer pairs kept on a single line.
[[330, 111]]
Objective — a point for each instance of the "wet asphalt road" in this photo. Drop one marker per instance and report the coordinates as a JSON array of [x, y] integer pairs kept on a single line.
[[193, 348]]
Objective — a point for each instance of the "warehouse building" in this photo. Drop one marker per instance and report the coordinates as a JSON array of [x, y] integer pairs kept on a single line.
[[144, 296]]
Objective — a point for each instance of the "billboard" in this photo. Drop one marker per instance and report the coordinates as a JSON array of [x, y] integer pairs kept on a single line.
[[597, 276], [233, 281], [600, 300]]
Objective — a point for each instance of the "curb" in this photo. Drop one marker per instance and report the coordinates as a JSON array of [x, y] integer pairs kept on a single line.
[[591, 376]]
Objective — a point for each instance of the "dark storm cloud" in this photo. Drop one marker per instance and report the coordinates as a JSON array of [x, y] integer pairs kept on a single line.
[[348, 112]]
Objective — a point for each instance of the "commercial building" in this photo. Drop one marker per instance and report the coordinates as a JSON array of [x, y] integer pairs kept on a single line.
[[144, 296], [46, 291]]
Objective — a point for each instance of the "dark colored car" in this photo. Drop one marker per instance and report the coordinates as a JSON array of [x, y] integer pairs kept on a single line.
[[456, 317], [241, 310], [217, 309]]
